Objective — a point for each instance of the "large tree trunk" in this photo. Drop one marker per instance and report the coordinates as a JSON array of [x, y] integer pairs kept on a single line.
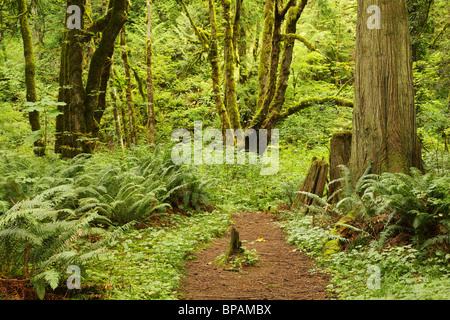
[[85, 104], [150, 100], [384, 123], [39, 145]]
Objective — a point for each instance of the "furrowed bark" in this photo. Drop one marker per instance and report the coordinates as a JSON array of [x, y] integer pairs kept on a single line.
[[384, 120]]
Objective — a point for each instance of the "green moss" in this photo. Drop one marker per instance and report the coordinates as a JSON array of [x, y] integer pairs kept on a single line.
[[331, 247]]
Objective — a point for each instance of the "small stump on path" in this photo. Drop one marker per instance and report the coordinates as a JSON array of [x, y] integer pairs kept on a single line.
[[236, 250]]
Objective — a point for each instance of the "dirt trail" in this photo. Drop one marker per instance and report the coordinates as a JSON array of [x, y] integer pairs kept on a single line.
[[282, 275]]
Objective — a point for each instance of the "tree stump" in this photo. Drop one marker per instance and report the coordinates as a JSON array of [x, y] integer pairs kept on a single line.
[[340, 152], [314, 182], [235, 246]]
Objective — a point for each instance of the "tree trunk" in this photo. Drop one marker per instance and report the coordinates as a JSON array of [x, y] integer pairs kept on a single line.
[[86, 104], [100, 59], [264, 56], [117, 122], [285, 67], [128, 92], [76, 121], [384, 121], [215, 73], [30, 67], [272, 64], [150, 100], [235, 246], [340, 151], [314, 183], [230, 98]]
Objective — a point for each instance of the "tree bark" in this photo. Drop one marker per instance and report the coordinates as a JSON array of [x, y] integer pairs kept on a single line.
[[384, 120], [314, 183], [30, 67], [340, 152]]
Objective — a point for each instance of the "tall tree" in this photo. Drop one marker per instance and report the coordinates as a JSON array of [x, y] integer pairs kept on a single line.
[[30, 70], [384, 120], [85, 102]]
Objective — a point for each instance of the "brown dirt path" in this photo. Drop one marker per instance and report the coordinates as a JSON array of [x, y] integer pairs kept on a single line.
[[282, 275]]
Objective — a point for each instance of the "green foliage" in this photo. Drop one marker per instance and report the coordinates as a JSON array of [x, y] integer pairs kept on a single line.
[[405, 272], [37, 240], [148, 264], [418, 204]]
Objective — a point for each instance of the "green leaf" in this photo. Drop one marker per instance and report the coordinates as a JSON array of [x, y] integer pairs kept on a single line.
[[34, 107], [35, 136]]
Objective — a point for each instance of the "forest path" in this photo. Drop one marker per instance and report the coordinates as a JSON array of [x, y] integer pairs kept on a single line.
[[282, 273]]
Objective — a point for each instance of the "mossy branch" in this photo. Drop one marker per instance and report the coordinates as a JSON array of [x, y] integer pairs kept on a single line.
[[276, 117], [307, 43]]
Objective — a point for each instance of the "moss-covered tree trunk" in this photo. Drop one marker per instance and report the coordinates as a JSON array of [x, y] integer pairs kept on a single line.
[[85, 104], [128, 89], [150, 99], [30, 67], [264, 56], [384, 121], [215, 73], [277, 102], [270, 80], [75, 117], [230, 98]]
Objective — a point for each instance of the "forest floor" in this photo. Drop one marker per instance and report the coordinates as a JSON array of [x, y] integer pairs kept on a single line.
[[282, 272]]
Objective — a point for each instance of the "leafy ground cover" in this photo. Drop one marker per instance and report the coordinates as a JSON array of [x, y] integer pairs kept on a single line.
[[404, 271]]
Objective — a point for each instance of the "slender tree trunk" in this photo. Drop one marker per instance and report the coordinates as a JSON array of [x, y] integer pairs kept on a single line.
[[215, 74], [273, 62], [230, 98], [266, 48], [384, 121], [63, 96], [100, 59], [285, 67], [76, 121], [150, 100], [39, 145], [128, 92], [117, 122]]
